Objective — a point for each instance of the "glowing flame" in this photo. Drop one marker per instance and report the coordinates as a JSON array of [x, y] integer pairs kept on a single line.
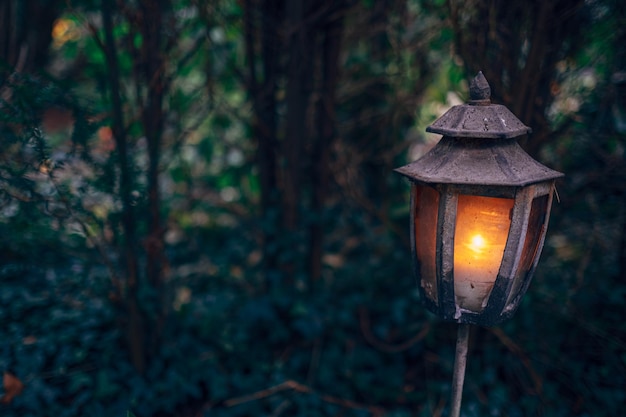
[[477, 244]]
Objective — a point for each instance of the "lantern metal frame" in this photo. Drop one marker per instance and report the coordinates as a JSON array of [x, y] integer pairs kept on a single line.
[[479, 156], [500, 303]]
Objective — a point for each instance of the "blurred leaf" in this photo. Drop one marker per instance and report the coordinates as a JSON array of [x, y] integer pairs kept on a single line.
[[12, 387]]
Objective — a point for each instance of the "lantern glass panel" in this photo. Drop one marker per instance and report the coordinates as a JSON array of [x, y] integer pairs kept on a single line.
[[534, 234], [425, 211], [481, 232]]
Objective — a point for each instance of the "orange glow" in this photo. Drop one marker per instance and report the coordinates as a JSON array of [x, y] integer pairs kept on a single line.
[[482, 228], [106, 141], [64, 30], [477, 244], [426, 205]]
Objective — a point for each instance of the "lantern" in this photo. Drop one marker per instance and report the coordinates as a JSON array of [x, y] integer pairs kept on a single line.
[[479, 212]]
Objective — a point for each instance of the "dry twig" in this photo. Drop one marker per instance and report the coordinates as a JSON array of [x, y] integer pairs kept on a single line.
[[366, 329], [304, 389], [518, 351]]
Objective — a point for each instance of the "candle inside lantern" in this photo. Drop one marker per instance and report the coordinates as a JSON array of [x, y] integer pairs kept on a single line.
[[482, 228]]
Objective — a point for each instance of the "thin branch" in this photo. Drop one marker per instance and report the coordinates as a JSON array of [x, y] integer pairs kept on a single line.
[[518, 351], [193, 50], [264, 393], [366, 329], [251, 81], [304, 389]]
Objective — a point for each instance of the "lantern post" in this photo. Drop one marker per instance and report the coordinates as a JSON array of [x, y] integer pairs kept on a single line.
[[480, 207]]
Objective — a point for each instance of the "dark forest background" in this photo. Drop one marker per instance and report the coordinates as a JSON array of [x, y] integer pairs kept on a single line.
[[198, 214]]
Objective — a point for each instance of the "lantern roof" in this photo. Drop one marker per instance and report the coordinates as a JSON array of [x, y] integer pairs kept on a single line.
[[478, 162], [468, 153], [479, 118]]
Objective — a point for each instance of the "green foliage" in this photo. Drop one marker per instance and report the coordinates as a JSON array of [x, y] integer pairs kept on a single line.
[[244, 339]]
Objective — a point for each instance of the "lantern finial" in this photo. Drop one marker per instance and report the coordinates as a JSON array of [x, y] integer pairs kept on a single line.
[[480, 92], [479, 118]]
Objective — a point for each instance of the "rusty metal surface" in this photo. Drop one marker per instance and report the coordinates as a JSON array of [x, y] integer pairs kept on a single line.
[[492, 121], [479, 118], [499, 306], [478, 161], [468, 153], [478, 155]]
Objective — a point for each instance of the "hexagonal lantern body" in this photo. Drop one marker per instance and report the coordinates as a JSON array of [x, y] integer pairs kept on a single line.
[[479, 212]]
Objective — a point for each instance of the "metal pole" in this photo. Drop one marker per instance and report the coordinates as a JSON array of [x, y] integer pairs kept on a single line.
[[460, 360]]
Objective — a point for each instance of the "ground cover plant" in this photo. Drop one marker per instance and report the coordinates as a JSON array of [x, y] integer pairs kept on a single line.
[[199, 216]]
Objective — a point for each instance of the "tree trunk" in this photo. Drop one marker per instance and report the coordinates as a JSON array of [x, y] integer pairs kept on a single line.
[[27, 32], [326, 122], [299, 85], [136, 321], [264, 123], [153, 65]]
